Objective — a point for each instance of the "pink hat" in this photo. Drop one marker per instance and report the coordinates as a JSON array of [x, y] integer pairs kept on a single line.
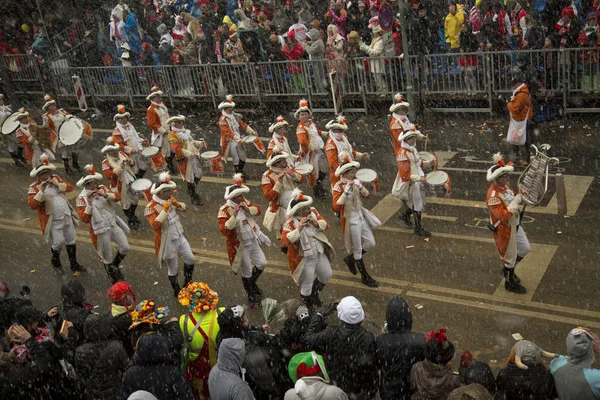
[[373, 22]]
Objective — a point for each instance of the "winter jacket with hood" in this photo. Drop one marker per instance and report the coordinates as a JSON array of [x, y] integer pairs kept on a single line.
[[432, 382], [349, 351], [316, 48], [100, 362], [154, 372], [535, 383], [398, 350], [74, 310], [243, 20], [224, 381], [317, 390], [520, 106]]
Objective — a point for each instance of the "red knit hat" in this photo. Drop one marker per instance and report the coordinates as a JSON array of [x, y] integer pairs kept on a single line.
[[568, 11], [118, 290]]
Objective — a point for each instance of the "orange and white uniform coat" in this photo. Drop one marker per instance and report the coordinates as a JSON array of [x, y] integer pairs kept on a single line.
[[57, 217], [130, 142], [243, 230], [230, 127], [52, 121], [504, 206], [279, 194], [311, 143], [157, 116], [333, 147], [309, 251], [187, 152], [99, 213], [280, 143], [398, 125], [407, 185], [26, 135], [119, 173]]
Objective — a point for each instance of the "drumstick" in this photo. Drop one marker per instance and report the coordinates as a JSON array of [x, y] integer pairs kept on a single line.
[[426, 141]]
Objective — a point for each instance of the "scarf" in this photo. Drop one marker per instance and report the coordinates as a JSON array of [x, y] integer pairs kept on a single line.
[[97, 203], [354, 196], [117, 33], [287, 181], [306, 236], [414, 159], [116, 310], [218, 50], [278, 142], [561, 25], [233, 123], [184, 134], [590, 29], [516, 91], [125, 129], [254, 231]]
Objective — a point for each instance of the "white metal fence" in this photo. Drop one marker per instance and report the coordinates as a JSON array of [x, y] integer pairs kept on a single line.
[[443, 82]]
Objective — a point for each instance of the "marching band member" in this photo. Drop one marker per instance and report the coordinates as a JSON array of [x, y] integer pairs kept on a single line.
[[309, 250], [14, 148], [157, 116], [400, 121], [356, 220], [230, 124], [187, 153], [169, 241], [51, 119], [504, 205], [117, 168], [311, 147], [237, 223], [279, 141], [278, 182], [57, 217], [410, 178], [338, 144], [96, 207], [26, 135], [129, 140]]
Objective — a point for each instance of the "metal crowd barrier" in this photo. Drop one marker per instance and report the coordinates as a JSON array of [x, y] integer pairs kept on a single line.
[[23, 71], [460, 82]]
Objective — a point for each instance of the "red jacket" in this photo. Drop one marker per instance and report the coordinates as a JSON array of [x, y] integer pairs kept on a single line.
[[295, 53]]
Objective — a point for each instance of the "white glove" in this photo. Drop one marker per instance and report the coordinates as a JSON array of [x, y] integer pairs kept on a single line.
[[161, 130], [348, 188], [186, 153], [31, 139], [358, 183], [251, 131], [128, 149], [118, 170]]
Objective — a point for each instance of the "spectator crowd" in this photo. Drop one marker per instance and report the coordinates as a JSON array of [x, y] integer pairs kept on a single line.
[[143, 351]]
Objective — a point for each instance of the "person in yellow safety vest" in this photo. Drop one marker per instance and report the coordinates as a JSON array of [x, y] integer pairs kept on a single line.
[[200, 329]]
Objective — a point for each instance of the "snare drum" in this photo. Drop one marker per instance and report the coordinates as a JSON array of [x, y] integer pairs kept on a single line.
[[439, 183], [215, 161], [304, 169], [248, 139], [157, 160], [366, 175], [72, 132], [429, 161], [142, 187], [208, 155], [10, 125]]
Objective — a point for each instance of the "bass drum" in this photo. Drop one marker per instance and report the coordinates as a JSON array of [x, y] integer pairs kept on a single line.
[[10, 125], [438, 183], [72, 132]]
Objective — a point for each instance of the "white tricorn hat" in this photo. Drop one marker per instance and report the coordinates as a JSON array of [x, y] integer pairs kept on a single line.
[[501, 168], [276, 157], [410, 132], [303, 106], [228, 103], [279, 123], [175, 118], [20, 114], [237, 188], [346, 164], [338, 123], [90, 175], [398, 102], [154, 92], [125, 46], [49, 101], [111, 145], [299, 200], [164, 183], [121, 112], [44, 166]]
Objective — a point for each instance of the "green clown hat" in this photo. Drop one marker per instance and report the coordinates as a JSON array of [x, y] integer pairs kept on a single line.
[[307, 364]]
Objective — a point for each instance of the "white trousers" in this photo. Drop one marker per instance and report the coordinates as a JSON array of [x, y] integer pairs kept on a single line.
[[319, 265], [11, 143], [523, 246], [179, 247], [362, 237], [237, 152], [418, 197], [62, 231], [252, 254], [115, 234], [141, 162], [65, 151]]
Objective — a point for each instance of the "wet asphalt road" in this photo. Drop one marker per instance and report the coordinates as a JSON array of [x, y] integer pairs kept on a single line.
[[451, 281]]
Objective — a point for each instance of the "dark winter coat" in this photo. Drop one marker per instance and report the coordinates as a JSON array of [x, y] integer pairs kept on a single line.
[[74, 310], [432, 382], [535, 383], [349, 352], [9, 306], [120, 330], [422, 35], [468, 42], [153, 371], [535, 38], [224, 381], [360, 23], [100, 362], [31, 380], [169, 332], [397, 350]]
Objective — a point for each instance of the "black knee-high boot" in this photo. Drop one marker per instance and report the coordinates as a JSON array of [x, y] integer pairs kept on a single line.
[[253, 299], [116, 262], [56, 264], [175, 285], [316, 289], [419, 230], [195, 199], [171, 165], [17, 160], [68, 170], [132, 208], [366, 279], [188, 272], [349, 260], [75, 161], [256, 273], [242, 166], [140, 174], [72, 253], [113, 273], [510, 284]]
